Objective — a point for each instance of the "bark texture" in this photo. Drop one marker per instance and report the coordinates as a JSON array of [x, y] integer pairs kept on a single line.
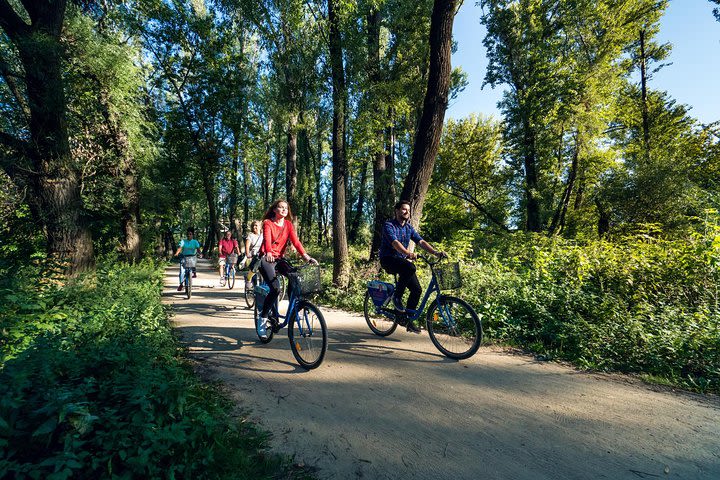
[[341, 263], [427, 139]]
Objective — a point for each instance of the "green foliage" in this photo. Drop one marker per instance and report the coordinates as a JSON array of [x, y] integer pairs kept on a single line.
[[640, 305], [92, 385]]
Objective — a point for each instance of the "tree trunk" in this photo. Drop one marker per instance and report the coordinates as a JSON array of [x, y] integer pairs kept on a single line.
[[558, 220], [318, 189], [532, 205], [341, 263], [360, 206], [383, 175], [234, 172], [427, 139], [54, 183], [291, 164], [643, 94], [209, 190], [276, 176]]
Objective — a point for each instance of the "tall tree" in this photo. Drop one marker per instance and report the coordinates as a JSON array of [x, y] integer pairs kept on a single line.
[[341, 260], [427, 138], [41, 157]]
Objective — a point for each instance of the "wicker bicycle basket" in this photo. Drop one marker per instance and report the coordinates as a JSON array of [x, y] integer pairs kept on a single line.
[[448, 276], [306, 280]]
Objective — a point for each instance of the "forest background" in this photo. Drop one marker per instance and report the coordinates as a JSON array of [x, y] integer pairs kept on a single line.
[[586, 216]]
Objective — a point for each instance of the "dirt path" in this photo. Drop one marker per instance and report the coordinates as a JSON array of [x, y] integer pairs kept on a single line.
[[395, 408]]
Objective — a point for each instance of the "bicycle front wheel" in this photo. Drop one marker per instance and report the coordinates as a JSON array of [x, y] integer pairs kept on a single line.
[[269, 331], [454, 327], [188, 283], [250, 293], [378, 323], [231, 278], [307, 333]]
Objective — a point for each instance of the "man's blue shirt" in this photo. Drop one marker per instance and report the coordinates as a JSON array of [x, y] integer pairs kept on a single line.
[[392, 230]]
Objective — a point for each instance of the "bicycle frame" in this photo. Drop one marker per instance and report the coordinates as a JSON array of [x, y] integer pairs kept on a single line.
[[185, 271], [433, 287], [293, 302]]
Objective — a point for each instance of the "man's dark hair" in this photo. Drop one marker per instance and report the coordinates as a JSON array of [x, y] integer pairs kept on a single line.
[[401, 203], [191, 230]]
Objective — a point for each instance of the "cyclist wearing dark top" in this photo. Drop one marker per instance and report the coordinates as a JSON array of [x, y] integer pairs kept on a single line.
[[395, 257]]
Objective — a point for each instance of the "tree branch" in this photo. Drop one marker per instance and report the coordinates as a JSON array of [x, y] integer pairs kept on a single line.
[[11, 22], [10, 77], [19, 149]]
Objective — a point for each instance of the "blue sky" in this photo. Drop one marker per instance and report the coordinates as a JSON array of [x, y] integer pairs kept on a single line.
[[693, 78]]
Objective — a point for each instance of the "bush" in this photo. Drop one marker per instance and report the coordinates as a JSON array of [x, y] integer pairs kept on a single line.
[[93, 385], [639, 305]]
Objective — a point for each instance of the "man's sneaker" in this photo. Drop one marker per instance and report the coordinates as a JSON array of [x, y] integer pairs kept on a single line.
[[180, 288], [194, 275], [222, 281], [397, 303], [262, 328], [412, 328]]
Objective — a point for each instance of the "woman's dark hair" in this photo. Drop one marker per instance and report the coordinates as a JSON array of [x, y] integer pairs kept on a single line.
[[401, 203], [270, 213], [191, 230]]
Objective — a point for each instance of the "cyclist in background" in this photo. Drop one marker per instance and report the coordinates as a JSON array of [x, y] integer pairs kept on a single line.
[[253, 243], [226, 246], [188, 246], [278, 230], [395, 258]]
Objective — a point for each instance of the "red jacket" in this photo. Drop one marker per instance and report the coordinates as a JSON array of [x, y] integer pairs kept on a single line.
[[275, 239]]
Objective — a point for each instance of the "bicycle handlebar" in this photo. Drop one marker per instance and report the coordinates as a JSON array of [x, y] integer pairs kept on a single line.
[[430, 262]]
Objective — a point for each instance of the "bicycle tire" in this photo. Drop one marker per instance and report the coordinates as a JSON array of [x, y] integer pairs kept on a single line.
[[282, 291], [230, 278], [250, 294], [308, 348], [269, 331], [461, 339], [188, 283], [380, 325]]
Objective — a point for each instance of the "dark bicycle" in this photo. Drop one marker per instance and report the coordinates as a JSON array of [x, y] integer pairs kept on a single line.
[[307, 330], [454, 327]]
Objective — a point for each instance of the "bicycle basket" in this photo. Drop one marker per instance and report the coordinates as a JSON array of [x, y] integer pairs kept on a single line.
[[232, 258], [448, 276], [190, 261], [380, 291], [306, 280]]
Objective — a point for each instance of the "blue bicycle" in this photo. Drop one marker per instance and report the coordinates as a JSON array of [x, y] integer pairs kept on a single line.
[[187, 266], [454, 327], [307, 330], [229, 267]]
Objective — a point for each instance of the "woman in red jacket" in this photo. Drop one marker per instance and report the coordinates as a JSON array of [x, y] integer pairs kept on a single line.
[[277, 231]]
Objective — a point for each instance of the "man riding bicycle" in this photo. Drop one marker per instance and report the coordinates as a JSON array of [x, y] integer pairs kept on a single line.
[[226, 246], [188, 247], [395, 258]]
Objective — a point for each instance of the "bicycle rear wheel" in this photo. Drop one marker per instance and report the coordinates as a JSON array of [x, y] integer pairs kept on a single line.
[[250, 293], [378, 323], [454, 327], [230, 278], [283, 287], [307, 333]]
